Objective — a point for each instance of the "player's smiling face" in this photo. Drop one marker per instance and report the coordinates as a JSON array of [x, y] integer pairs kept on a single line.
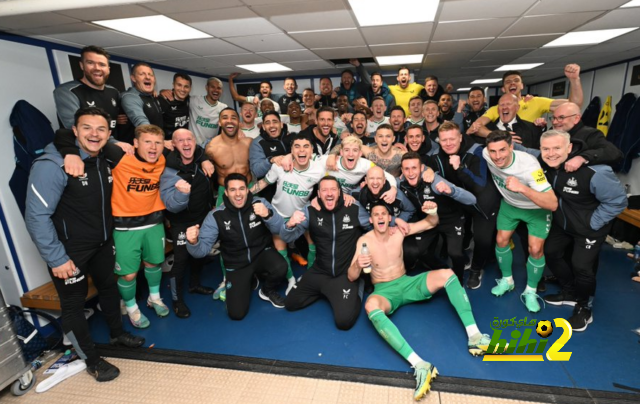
[[403, 78], [272, 126], [412, 170], [414, 138], [308, 98], [380, 219], [95, 69], [185, 142], [301, 151], [149, 146], [375, 180], [214, 91], [555, 150], [359, 124], [294, 110], [326, 86], [384, 139], [513, 85], [445, 102], [237, 193], [329, 192], [266, 105], [450, 141], [378, 107], [501, 153], [430, 112], [431, 87], [143, 79], [396, 119], [508, 106], [325, 123], [476, 100], [265, 90], [290, 87], [181, 88], [350, 154], [248, 112], [92, 132], [415, 107], [229, 122]]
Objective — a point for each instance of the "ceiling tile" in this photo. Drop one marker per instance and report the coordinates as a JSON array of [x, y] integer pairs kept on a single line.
[[519, 42], [193, 63], [503, 57], [570, 6], [268, 2], [399, 49], [308, 16], [467, 45], [55, 40], [343, 53], [612, 47], [88, 34], [149, 52], [206, 47], [26, 21], [397, 33], [233, 60], [622, 18], [107, 13], [549, 24], [291, 56], [309, 65], [479, 28], [184, 6], [266, 43], [229, 22], [330, 38], [472, 9]]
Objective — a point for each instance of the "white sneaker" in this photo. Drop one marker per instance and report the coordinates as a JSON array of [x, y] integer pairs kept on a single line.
[[291, 284]]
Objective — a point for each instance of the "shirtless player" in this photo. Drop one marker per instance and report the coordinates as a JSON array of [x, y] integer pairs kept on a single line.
[[229, 154], [393, 289]]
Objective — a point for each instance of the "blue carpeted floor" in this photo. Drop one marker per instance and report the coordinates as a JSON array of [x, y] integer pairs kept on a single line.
[[608, 352]]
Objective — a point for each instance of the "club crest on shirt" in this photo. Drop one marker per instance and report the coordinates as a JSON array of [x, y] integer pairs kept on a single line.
[[572, 182], [113, 102]]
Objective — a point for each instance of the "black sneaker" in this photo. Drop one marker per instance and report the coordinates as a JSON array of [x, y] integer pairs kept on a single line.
[[201, 290], [559, 299], [181, 309], [127, 339], [475, 279], [103, 371], [542, 286], [272, 296], [580, 318]]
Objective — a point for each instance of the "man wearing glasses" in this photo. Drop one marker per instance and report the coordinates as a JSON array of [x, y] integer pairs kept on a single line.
[[532, 108], [597, 149]]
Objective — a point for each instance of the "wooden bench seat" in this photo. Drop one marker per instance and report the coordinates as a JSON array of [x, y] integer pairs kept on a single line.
[[631, 216], [46, 297]]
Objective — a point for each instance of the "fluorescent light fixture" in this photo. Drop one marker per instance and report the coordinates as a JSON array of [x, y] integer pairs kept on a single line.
[[485, 81], [156, 28], [464, 89], [633, 3], [588, 37], [264, 67], [385, 12], [523, 66], [399, 60]]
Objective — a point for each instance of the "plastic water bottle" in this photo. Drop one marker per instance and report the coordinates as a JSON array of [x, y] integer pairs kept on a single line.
[[365, 252]]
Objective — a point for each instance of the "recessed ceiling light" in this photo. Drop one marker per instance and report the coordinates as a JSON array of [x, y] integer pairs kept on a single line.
[[633, 3], [399, 60], [464, 89], [588, 37], [156, 28], [522, 66], [485, 81], [385, 12], [264, 67]]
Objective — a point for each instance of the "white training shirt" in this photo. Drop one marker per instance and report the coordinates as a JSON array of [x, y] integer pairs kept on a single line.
[[527, 170], [350, 179], [339, 125], [203, 118], [252, 132], [293, 189], [372, 125]]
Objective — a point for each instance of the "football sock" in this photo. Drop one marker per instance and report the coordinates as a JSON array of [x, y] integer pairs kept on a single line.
[[286, 258], [154, 277], [311, 256], [505, 260], [459, 299], [128, 292], [392, 335], [535, 269]]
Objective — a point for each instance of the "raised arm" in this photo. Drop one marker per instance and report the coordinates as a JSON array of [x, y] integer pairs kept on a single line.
[[232, 88]]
